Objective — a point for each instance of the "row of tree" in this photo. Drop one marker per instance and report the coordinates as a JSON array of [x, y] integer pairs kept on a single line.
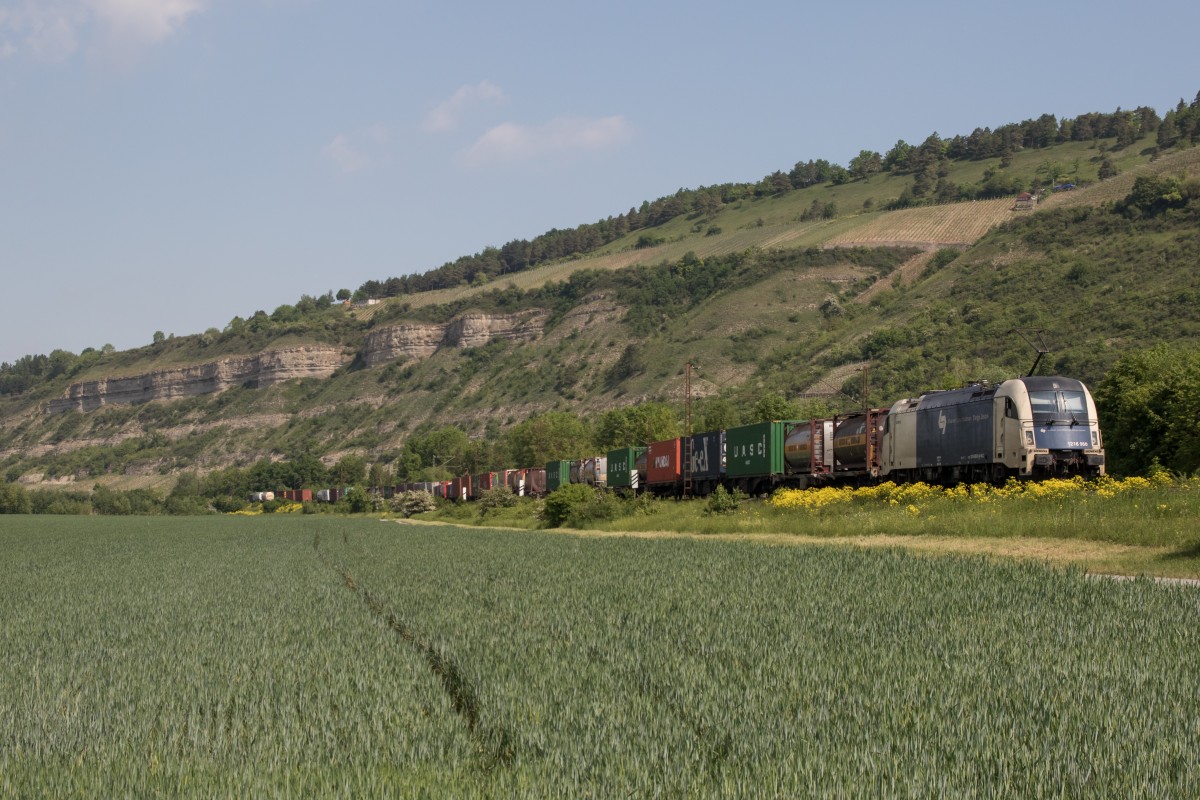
[[923, 161]]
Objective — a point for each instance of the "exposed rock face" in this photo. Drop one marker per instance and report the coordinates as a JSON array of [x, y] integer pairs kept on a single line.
[[264, 369], [416, 340], [411, 340]]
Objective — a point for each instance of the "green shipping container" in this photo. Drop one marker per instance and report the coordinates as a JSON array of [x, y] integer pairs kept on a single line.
[[622, 467], [756, 450], [558, 473]]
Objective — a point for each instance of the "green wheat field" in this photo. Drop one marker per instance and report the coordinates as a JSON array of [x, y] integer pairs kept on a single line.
[[320, 656]]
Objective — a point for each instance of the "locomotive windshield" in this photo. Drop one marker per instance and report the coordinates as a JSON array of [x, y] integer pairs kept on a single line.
[[1051, 404]]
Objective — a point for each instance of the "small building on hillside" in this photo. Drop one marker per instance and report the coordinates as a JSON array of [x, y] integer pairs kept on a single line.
[[1025, 202]]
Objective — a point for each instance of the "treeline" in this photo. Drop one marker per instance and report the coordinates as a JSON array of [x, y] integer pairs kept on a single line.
[[184, 500], [1181, 126], [29, 371], [314, 318]]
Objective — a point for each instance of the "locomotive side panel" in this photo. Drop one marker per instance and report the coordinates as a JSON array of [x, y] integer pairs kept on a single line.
[[955, 435]]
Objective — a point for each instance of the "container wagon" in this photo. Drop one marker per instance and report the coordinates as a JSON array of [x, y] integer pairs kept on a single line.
[[623, 474]]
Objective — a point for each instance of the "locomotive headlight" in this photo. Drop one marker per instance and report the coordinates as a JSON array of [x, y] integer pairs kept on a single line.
[[1095, 439], [1029, 438]]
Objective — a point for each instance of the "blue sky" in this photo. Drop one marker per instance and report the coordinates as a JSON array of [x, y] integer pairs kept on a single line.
[[169, 164]]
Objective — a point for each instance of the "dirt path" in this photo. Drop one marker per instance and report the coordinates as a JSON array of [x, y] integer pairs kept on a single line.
[[1102, 559]]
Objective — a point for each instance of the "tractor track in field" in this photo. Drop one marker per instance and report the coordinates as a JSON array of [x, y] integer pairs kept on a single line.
[[495, 744]]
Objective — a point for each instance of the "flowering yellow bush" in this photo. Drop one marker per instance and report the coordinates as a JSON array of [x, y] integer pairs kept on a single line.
[[912, 495]]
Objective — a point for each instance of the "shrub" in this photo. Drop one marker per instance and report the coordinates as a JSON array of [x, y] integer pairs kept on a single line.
[[357, 500], [186, 506], [227, 504], [496, 498], [416, 503], [14, 499], [564, 501], [723, 502]]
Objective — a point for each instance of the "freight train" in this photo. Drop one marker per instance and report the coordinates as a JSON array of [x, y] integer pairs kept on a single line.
[[1026, 428]]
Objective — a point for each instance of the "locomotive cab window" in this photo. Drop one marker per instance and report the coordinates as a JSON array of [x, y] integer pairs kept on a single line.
[[1073, 403], [1010, 408], [1044, 402]]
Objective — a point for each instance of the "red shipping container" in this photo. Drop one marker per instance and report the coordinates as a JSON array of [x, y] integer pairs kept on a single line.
[[535, 482], [662, 463]]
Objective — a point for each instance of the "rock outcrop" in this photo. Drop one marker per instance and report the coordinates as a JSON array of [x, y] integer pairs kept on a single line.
[[421, 340], [264, 369]]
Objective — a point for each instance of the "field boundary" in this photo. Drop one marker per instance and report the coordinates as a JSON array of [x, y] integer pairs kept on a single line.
[[1090, 555]]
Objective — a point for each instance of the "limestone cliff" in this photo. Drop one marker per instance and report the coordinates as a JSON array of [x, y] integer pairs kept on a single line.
[[264, 369], [421, 340]]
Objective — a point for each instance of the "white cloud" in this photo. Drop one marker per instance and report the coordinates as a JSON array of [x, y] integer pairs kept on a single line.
[[369, 148], [447, 115], [345, 155], [144, 21], [513, 142], [54, 30]]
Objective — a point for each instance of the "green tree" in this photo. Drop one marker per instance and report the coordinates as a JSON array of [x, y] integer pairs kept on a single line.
[[635, 425], [553, 435], [357, 500], [1107, 169], [380, 475], [773, 406], [1149, 403], [436, 455], [866, 164], [308, 471], [630, 363], [1153, 194], [350, 470], [714, 414], [343, 294]]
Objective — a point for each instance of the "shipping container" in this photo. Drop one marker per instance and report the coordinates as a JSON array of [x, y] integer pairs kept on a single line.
[[558, 473], [535, 482], [664, 468], [707, 461], [622, 468], [575, 473], [755, 454], [483, 482]]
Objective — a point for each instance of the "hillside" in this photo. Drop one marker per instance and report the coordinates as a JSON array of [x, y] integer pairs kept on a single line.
[[762, 294]]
